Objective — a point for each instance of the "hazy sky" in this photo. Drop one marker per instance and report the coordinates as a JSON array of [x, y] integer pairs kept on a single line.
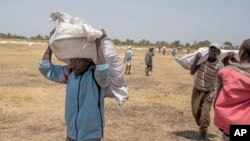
[[169, 20]]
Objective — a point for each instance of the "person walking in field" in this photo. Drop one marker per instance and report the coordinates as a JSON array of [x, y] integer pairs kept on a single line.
[[127, 59], [149, 60], [164, 50], [174, 52], [84, 107], [233, 93], [159, 49], [204, 84]]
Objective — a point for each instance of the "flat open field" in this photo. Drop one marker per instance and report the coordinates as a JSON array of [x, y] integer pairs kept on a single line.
[[158, 109]]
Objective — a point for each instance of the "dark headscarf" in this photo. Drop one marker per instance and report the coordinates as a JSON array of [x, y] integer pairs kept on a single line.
[[245, 49]]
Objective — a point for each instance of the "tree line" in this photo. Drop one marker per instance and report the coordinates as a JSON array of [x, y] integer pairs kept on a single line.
[[14, 36], [131, 42], [174, 44]]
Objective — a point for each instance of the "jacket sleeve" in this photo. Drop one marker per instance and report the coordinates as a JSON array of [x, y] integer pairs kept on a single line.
[[53, 72], [102, 75]]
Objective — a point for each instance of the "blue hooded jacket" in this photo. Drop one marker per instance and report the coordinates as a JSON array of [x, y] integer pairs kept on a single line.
[[84, 107]]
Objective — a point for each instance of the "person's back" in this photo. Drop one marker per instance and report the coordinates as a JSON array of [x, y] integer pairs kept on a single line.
[[236, 82], [233, 89]]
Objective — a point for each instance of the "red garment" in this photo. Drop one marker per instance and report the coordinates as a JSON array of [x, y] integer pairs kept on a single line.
[[232, 105]]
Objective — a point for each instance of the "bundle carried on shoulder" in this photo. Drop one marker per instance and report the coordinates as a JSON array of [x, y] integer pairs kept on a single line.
[[74, 38], [187, 60]]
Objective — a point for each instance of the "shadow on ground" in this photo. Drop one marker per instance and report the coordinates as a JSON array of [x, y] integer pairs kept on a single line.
[[193, 135]]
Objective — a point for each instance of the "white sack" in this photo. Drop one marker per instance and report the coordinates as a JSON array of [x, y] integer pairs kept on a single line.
[[73, 33], [187, 60], [75, 39], [117, 87], [65, 49]]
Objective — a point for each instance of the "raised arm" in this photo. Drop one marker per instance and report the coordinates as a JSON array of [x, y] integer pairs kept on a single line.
[[102, 69], [194, 66], [53, 72], [47, 54]]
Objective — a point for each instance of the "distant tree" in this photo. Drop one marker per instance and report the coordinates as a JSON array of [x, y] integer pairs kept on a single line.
[[158, 43], [129, 42], [8, 35], [38, 37], [177, 43], [204, 43], [117, 41], [46, 37], [194, 43], [132, 42], [142, 42], [21, 37], [228, 45], [148, 43], [164, 43], [187, 45], [2, 35]]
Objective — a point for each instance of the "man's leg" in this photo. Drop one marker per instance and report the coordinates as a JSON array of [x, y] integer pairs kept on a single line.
[[129, 67], [126, 69], [151, 68], [195, 105], [205, 115], [146, 70]]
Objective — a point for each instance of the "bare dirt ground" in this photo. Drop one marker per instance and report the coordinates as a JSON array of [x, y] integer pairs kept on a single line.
[[32, 108]]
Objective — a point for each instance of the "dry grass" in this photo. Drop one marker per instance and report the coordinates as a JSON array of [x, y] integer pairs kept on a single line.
[[32, 108]]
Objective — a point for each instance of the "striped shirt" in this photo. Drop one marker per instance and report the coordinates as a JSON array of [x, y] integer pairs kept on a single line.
[[205, 78]]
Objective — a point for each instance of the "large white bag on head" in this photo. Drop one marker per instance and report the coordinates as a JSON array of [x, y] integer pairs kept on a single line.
[[73, 38], [187, 60]]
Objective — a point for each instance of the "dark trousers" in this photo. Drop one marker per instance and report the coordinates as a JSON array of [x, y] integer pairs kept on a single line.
[[149, 68], [201, 109]]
